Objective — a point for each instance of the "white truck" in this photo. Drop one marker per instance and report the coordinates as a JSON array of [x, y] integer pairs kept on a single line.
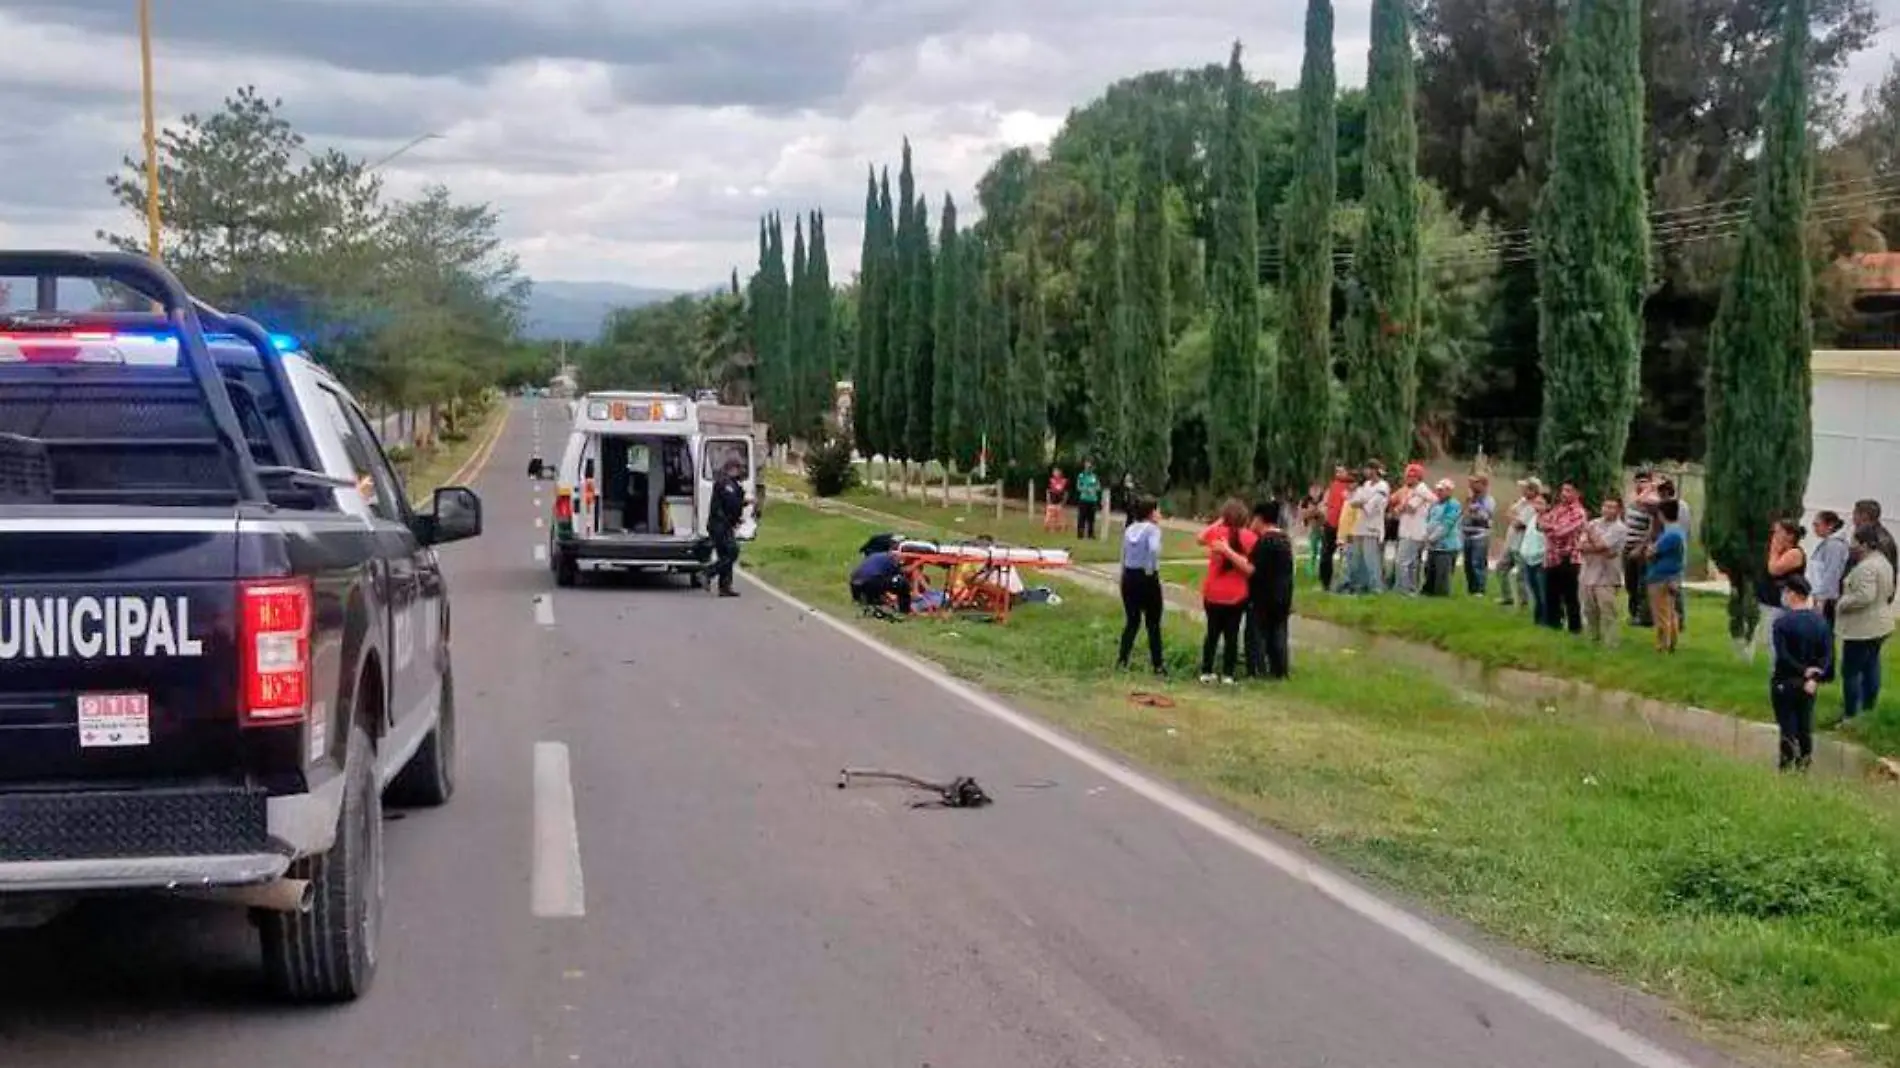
[[634, 484]]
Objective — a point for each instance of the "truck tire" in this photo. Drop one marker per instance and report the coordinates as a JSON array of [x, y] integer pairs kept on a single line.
[[328, 955], [428, 780], [566, 571]]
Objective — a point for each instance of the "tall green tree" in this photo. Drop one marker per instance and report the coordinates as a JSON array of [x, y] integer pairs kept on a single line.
[[999, 426], [776, 346], [1108, 335], [791, 386], [971, 374], [1300, 402], [1233, 387], [1382, 359], [897, 309], [920, 418], [1760, 387], [821, 360], [1029, 369], [887, 402], [1150, 413], [1592, 242], [870, 341], [948, 343]]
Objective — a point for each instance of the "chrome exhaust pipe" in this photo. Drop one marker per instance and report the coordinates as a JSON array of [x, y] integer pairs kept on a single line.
[[278, 895]]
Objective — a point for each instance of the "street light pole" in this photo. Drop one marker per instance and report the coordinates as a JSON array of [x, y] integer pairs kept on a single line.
[[151, 130]]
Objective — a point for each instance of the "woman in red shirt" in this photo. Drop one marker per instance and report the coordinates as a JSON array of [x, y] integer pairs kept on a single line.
[[1224, 591]]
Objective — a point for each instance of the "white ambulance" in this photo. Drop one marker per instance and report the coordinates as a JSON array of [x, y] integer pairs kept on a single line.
[[635, 482]]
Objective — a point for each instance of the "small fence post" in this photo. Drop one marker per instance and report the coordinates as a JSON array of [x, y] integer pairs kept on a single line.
[[969, 492], [1032, 499], [999, 500], [946, 485]]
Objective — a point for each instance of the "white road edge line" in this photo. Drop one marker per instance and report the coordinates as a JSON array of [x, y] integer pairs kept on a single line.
[[544, 610], [559, 890], [1565, 1010]]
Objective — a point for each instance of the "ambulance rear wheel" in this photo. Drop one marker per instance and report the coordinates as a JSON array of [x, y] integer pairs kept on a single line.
[[566, 571]]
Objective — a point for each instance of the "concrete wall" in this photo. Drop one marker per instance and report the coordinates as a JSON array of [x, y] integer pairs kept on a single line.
[[1856, 432]]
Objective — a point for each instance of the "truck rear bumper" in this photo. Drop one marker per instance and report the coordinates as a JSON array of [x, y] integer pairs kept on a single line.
[[636, 553], [169, 840]]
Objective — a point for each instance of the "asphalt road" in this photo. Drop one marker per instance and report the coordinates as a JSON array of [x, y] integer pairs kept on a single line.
[[648, 863]]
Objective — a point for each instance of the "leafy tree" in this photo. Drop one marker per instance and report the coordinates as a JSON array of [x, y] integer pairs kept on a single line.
[[1150, 427], [1382, 363], [1301, 402], [1760, 388], [919, 434], [869, 340], [1234, 360], [821, 341], [1029, 377], [1108, 338], [894, 397], [1593, 249], [948, 347]]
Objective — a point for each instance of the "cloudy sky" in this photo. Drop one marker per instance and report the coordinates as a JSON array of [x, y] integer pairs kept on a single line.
[[623, 140]]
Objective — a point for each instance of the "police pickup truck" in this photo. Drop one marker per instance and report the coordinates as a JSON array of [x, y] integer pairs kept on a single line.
[[224, 634]]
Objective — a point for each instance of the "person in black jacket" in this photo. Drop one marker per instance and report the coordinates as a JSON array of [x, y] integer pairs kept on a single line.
[[1269, 594], [1804, 659], [722, 524]]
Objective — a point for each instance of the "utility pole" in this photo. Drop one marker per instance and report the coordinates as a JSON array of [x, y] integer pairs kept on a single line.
[[151, 131]]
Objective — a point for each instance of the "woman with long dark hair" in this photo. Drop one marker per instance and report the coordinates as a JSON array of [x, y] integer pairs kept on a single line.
[[1141, 582], [1224, 590], [1786, 558]]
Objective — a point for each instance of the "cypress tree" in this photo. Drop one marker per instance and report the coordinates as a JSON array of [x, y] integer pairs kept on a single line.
[[1382, 364], [864, 384], [896, 310], [999, 428], [969, 377], [920, 422], [1301, 405], [798, 326], [821, 359], [1108, 335], [1150, 414], [890, 374], [1592, 243], [947, 348], [755, 303], [1760, 386], [1029, 364], [1233, 411]]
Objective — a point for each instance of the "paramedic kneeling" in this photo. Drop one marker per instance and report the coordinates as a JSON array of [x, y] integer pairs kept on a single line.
[[722, 525], [877, 576]]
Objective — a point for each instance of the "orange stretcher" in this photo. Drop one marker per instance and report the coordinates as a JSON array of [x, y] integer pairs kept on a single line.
[[971, 579]]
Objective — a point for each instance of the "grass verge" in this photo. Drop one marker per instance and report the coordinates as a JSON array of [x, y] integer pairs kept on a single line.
[[428, 468], [1767, 906], [1014, 526]]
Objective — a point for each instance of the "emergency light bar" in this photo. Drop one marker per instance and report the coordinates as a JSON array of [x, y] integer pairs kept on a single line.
[[159, 349], [658, 411]]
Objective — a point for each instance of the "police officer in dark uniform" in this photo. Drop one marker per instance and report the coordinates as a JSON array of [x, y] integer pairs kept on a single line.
[[722, 523]]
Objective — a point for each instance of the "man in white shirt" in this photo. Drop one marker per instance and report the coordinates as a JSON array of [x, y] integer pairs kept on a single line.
[[1366, 567], [1413, 501]]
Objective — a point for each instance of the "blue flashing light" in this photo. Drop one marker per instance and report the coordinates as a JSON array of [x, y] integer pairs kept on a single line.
[[284, 343]]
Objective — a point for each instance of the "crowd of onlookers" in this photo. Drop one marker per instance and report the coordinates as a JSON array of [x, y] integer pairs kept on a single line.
[[1622, 566]]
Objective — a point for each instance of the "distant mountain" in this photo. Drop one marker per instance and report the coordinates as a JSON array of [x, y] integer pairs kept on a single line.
[[574, 311]]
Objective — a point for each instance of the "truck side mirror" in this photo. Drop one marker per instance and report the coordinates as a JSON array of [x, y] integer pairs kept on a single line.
[[536, 470], [456, 515]]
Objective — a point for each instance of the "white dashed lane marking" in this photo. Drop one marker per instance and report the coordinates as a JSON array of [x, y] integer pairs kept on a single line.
[[544, 609], [559, 890], [540, 554]]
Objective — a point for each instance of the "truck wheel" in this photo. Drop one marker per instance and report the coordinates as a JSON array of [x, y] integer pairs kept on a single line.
[[328, 954], [566, 571], [428, 780]]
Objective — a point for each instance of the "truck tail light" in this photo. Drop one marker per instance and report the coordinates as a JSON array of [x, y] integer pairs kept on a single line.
[[274, 645], [564, 505]]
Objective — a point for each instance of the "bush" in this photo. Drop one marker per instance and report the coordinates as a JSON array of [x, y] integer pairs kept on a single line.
[[401, 454], [828, 468], [1806, 877], [454, 436]]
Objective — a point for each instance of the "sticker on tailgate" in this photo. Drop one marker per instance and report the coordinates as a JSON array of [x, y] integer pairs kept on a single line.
[[114, 720]]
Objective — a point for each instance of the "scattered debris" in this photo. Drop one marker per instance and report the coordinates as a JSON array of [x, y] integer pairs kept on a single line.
[[1151, 700], [1887, 768], [961, 792]]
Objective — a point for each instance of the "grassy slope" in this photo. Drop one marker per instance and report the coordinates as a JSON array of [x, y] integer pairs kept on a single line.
[[1768, 906]]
